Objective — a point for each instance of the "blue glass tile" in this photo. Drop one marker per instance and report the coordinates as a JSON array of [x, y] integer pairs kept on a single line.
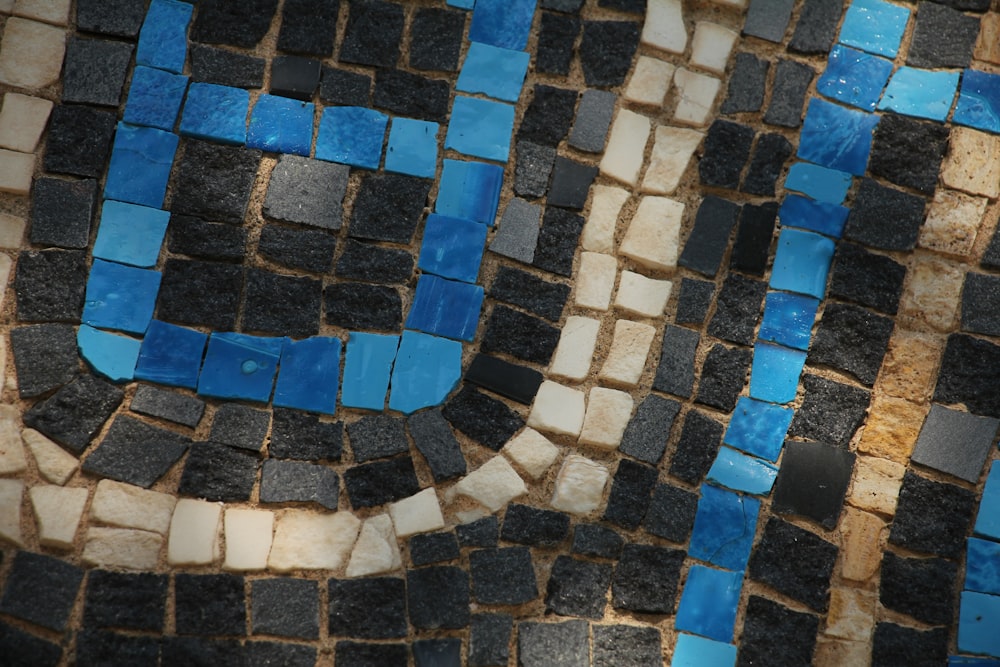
[[854, 77], [818, 216], [758, 428], [309, 375], [427, 368], [740, 472], [130, 234], [445, 307], [452, 247], [836, 137], [140, 165], [217, 113], [921, 93], [988, 519], [691, 651], [724, 528], [709, 602], [462, 4], [120, 297], [982, 566], [171, 355], [775, 373], [351, 135], [163, 38], [979, 101], [239, 366], [494, 72], [413, 147], [154, 98], [480, 128], [281, 125], [110, 355], [875, 26], [966, 661], [788, 319], [367, 365], [825, 185], [802, 263], [469, 190], [503, 23], [979, 616]]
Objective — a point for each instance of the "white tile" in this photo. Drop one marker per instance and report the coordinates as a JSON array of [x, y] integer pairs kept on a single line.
[[623, 158], [711, 46], [11, 491], [575, 350], [557, 409], [16, 170], [50, 11], [11, 231], [627, 356], [595, 280], [643, 296], [653, 234], [130, 506], [650, 81], [664, 26], [305, 540], [248, 538], [493, 484], [194, 532], [672, 151], [608, 412], [22, 121], [58, 510], [31, 54], [376, 550], [121, 547], [54, 463], [420, 513], [12, 458], [696, 96], [599, 232], [579, 485], [532, 451]]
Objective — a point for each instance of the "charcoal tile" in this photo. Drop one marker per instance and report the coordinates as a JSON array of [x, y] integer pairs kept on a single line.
[[502, 377], [436, 39], [812, 481], [645, 579], [794, 562], [503, 576], [671, 513], [767, 163], [357, 306], [243, 24], [438, 597], [556, 38], [525, 290], [225, 68], [578, 588], [533, 167], [358, 654], [851, 339], [135, 452], [943, 37], [955, 442], [61, 212], [737, 309], [388, 207], [433, 438], [523, 524], [791, 82], [307, 192], [96, 647], [629, 498], [21, 649], [868, 279], [768, 19], [593, 118], [209, 604], [896, 646], [433, 548], [557, 241], [295, 435], [208, 240], [596, 541], [553, 644], [295, 77], [240, 426], [753, 238], [831, 411], [286, 607], [726, 151], [374, 33], [772, 632], [377, 436], [79, 140], [411, 95], [571, 182], [967, 369], [308, 250], [45, 357], [606, 51], [709, 238], [50, 284], [120, 18], [372, 608], [630, 6], [373, 263], [694, 300], [626, 646], [817, 26], [512, 332], [73, 415], [647, 432], [981, 304], [298, 481], [41, 589], [884, 217], [94, 72], [309, 27], [483, 532], [134, 601], [548, 117], [381, 482], [919, 587], [489, 640], [343, 88], [264, 654], [722, 376], [697, 447], [218, 473], [213, 182], [932, 517], [201, 651], [746, 85], [438, 652], [908, 152], [966, 5], [196, 292], [486, 420]]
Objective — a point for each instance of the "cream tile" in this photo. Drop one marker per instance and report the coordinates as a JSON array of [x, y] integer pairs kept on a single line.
[[194, 532], [12, 458], [629, 350], [623, 158], [664, 26], [973, 162], [557, 409], [579, 485], [31, 54], [22, 121], [952, 222], [671, 155], [599, 231], [54, 463], [305, 540], [492, 485], [129, 506], [608, 412], [650, 81], [420, 513], [120, 547], [532, 451], [15, 172], [653, 234], [711, 46], [595, 280], [11, 231], [58, 511], [876, 484], [575, 350], [50, 11], [248, 538], [641, 295], [851, 614], [376, 550], [932, 291], [696, 96], [6, 6], [11, 492]]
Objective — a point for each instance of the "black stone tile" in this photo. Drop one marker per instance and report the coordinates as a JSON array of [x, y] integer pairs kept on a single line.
[[41, 589], [981, 304], [484, 419], [358, 654], [208, 240], [767, 163], [295, 77], [308, 26], [433, 548], [523, 524], [79, 140], [970, 5], [556, 38], [884, 218], [746, 85], [135, 452], [923, 588], [606, 51], [436, 39], [438, 652], [791, 82], [489, 640], [240, 426], [305, 249], [593, 118], [694, 299], [578, 588], [768, 19], [74, 414], [908, 152], [830, 412], [50, 285], [553, 644], [381, 482], [794, 562], [630, 494], [630, 6], [286, 607], [753, 238], [502, 377], [898, 646], [197, 292], [532, 169], [571, 182], [943, 37], [388, 207], [697, 447], [671, 513], [21, 649], [372, 608], [566, 6], [226, 68], [121, 18], [503, 576], [200, 652], [483, 532], [45, 357], [209, 604], [434, 440], [774, 634], [851, 339], [557, 241], [596, 541], [723, 375], [241, 24], [61, 212], [548, 117], [737, 310], [374, 33], [94, 71], [374, 264], [509, 331], [340, 87], [411, 95], [525, 290], [932, 517], [295, 435], [868, 279], [213, 182], [969, 369], [645, 579], [377, 436], [626, 646], [709, 237], [812, 481], [97, 647], [265, 654], [438, 597], [357, 306], [647, 432], [218, 473], [298, 481], [134, 601], [817, 26], [726, 151]]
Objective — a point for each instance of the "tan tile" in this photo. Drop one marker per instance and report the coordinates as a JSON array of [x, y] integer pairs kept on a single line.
[[6, 6], [932, 291], [557, 409], [911, 364], [249, 534], [831, 652], [653, 234], [664, 26], [54, 463], [608, 412], [650, 81], [57, 512], [623, 158], [629, 351], [711, 46], [579, 485], [305, 540], [851, 614], [892, 428], [595, 280], [22, 121], [696, 95], [599, 232], [376, 550], [11, 231], [129, 506], [12, 458], [532, 451], [575, 350], [11, 492], [31, 54], [973, 162], [988, 44], [420, 513], [492, 485], [671, 155], [643, 296], [876, 483], [952, 222], [194, 532], [861, 544], [120, 547], [50, 11], [15, 172]]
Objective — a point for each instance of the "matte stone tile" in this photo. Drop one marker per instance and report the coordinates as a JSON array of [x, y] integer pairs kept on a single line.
[[433, 438], [74, 414], [479, 533], [277, 653], [629, 497], [79, 140], [279, 304], [767, 163], [908, 152], [374, 32], [548, 117], [852, 339], [606, 51], [41, 589], [26, 650], [503, 576], [219, 473], [196, 650], [95, 70], [121, 18], [377, 436], [567, 6], [931, 517], [768, 19], [243, 25], [309, 27], [525, 290], [388, 207], [697, 447], [817, 26], [373, 263], [135, 452], [525, 337], [95, 647], [671, 513], [213, 65], [647, 432], [726, 151], [210, 240], [812, 481], [593, 118], [169, 405], [437, 652], [438, 597], [524, 524], [411, 95], [484, 419], [557, 241], [919, 587], [45, 356], [196, 292], [380, 482], [774, 632], [296, 481], [709, 238], [372, 608], [746, 84], [307, 250], [489, 640], [306, 191], [966, 368], [597, 541], [943, 37], [645, 579], [578, 588], [894, 644], [433, 548], [981, 304], [831, 412], [553, 644], [737, 309], [209, 604], [571, 182], [675, 373], [556, 38], [693, 302], [436, 39], [868, 279], [296, 435], [791, 81], [533, 168], [723, 375], [884, 217], [135, 601], [358, 306], [213, 182]]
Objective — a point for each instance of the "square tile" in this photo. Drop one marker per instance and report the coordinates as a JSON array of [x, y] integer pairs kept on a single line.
[[281, 125], [140, 165], [696, 93], [351, 135], [650, 81], [978, 101], [973, 164], [309, 375], [412, 148], [502, 24], [723, 532], [154, 98], [22, 121], [802, 263], [130, 234], [804, 577], [306, 191], [446, 308], [933, 517], [875, 26], [693, 651], [709, 603], [427, 369], [854, 77], [623, 158], [711, 46], [493, 71], [813, 480], [16, 170], [452, 247], [768, 19], [981, 559], [367, 363], [295, 77], [31, 54], [469, 190], [664, 26], [908, 152], [758, 428], [955, 442], [788, 319], [480, 128], [836, 137], [216, 113], [239, 366], [978, 615], [120, 297], [171, 355], [943, 36], [163, 37], [774, 375], [920, 93], [95, 71]]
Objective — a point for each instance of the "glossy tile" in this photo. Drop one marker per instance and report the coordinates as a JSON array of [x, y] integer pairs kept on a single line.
[[854, 77], [309, 375], [836, 137], [920, 93], [740, 472], [802, 263], [774, 375], [130, 234]]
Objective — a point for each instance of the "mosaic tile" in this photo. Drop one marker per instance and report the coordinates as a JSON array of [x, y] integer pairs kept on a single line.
[[835, 137], [345, 88], [727, 149], [920, 93], [692, 650], [813, 480], [766, 621], [61, 212], [740, 472], [875, 26], [746, 85], [436, 39], [758, 428], [867, 279], [737, 309], [308, 26], [720, 533], [697, 93], [95, 71], [709, 238], [831, 411], [768, 20], [407, 94], [767, 163], [943, 37], [79, 141], [802, 262], [915, 587], [352, 136], [427, 368], [163, 37], [775, 372], [606, 51], [709, 602], [548, 118], [646, 579], [908, 152], [723, 376], [791, 81], [788, 319], [751, 249], [374, 30], [854, 77], [520, 288]]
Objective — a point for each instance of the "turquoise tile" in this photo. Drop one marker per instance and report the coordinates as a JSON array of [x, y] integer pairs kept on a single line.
[[120, 297], [709, 602], [493, 71], [445, 308], [163, 37], [836, 137], [110, 355], [503, 23], [802, 262], [413, 147], [988, 519], [740, 472], [154, 98], [480, 128], [130, 234], [462, 4], [875, 26], [452, 247], [758, 428], [691, 651], [367, 365], [427, 369], [469, 190], [171, 355], [982, 566], [978, 619], [774, 375], [825, 185], [920, 92], [309, 375], [818, 216], [724, 527], [788, 319], [351, 135], [239, 366], [140, 166], [216, 113], [281, 125], [979, 101], [854, 77]]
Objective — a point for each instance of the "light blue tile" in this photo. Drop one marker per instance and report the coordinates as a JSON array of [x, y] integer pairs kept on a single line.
[[988, 519], [110, 355], [452, 247], [140, 165], [691, 651], [469, 190], [216, 113], [982, 566], [818, 216], [281, 125], [709, 602], [740, 472], [758, 428], [413, 147], [774, 375], [875, 26], [130, 234], [825, 185], [836, 137], [724, 527], [154, 98], [493, 71], [854, 77], [171, 355], [921, 93], [802, 263], [979, 101], [788, 319], [239, 366], [120, 297], [969, 661], [427, 368], [978, 619], [163, 37], [480, 128], [445, 308], [351, 135], [309, 375], [503, 23], [367, 365]]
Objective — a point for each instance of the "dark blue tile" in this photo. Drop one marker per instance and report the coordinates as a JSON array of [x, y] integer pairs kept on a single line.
[[171, 355], [979, 101], [802, 263], [825, 185], [982, 566], [758, 428], [154, 98], [452, 247], [837, 137], [854, 77], [140, 165], [240, 366], [503, 23], [788, 319], [163, 37], [818, 216], [309, 375], [724, 528], [446, 308]]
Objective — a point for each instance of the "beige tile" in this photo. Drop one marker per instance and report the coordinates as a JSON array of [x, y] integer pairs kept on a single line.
[[988, 45], [932, 291], [493, 484], [557, 409], [892, 428], [711, 46], [861, 545], [623, 158], [11, 231], [129, 506], [305, 540], [376, 550], [579, 485], [55, 464], [6, 6], [22, 121], [532, 452], [696, 95], [194, 533], [575, 350], [120, 547], [669, 161], [910, 366], [249, 534], [973, 162], [832, 652], [595, 280], [608, 412], [12, 458], [58, 511], [31, 54], [653, 234], [50, 11], [599, 232], [851, 614], [420, 513], [11, 492], [16, 170], [650, 81], [664, 26], [629, 350], [643, 296], [876, 483], [952, 222]]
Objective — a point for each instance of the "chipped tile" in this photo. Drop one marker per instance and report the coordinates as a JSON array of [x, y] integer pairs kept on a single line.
[[910, 366], [119, 547], [932, 291], [54, 463], [670, 158], [643, 296], [623, 158], [608, 413], [579, 485], [711, 46], [493, 484], [852, 614], [306, 540], [605, 206], [575, 350], [629, 350], [650, 81], [952, 222], [130, 506], [57, 512], [11, 492], [194, 532], [595, 280], [664, 26], [376, 550], [12, 458], [973, 162], [892, 428], [653, 235], [532, 452], [420, 513], [861, 545], [31, 54], [557, 409], [876, 484], [696, 93]]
